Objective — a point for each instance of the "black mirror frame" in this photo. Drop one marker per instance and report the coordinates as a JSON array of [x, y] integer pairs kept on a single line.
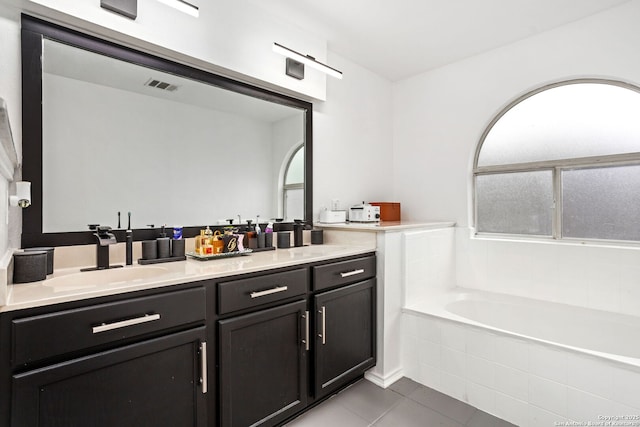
[[33, 32]]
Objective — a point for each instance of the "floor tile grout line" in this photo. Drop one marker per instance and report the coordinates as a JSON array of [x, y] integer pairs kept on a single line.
[[377, 419], [397, 403]]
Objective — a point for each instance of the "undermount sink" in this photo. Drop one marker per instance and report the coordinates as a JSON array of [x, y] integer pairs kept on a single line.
[[104, 277]]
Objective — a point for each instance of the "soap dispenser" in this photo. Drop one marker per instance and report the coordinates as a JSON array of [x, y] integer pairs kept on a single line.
[[164, 244]]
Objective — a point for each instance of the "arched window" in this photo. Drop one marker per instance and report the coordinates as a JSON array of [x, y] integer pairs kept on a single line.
[[293, 187], [563, 162]]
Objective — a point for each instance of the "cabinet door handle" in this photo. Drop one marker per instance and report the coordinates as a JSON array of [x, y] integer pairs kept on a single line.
[[124, 323], [258, 294], [203, 363], [305, 341], [352, 273], [323, 325]]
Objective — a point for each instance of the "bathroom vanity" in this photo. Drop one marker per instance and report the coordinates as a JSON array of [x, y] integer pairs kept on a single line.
[[245, 341]]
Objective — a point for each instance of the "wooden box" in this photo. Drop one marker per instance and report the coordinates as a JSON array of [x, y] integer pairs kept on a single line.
[[389, 211]]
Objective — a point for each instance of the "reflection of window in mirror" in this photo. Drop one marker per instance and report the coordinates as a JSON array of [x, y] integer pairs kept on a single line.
[[563, 162], [293, 185]]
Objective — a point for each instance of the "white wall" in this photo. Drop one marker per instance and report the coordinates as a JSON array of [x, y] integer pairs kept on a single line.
[[439, 117], [352, 128], [352, 153], [172, 153], [232, 37], [11, 91]]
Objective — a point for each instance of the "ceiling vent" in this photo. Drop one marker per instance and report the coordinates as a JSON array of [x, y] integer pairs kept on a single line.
[[161, 85]]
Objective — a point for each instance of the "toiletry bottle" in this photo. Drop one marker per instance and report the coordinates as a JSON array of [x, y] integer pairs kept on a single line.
[[268, 235], [199, 241], [218, 244], [207, 244]]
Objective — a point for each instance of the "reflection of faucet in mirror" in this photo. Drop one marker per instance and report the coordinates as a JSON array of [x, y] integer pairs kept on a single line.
[[105, 238]]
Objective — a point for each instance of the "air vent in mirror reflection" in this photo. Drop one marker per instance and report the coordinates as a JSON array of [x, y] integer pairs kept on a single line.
[[161, 85]]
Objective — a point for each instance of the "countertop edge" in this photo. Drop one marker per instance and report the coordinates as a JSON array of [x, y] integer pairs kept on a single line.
[[341, 251], [386, 226]]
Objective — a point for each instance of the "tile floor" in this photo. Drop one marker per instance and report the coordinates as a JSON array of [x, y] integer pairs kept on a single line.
[[404, 404]]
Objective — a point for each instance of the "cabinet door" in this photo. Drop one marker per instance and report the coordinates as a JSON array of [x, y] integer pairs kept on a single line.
[[152, 383], [345, 335], [263, 366]]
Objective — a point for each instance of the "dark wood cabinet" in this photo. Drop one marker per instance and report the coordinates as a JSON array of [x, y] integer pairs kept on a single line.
[[344, 342], [278, 342], [263, 366], [151, 383]]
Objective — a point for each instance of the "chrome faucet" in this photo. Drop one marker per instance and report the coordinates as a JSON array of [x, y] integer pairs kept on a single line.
[[104, 239]]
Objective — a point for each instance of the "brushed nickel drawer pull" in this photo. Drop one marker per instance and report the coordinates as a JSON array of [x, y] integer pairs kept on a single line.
[[124, 323], [306, 330], [323, 333], [203, 362], [352, 273], [258, 294]]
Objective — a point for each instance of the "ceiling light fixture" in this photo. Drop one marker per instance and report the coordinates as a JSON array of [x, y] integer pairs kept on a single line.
[[304, 60], [183, 6]]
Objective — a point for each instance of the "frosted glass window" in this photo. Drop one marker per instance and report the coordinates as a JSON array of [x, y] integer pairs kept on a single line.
[[564, 122], [601, 203], [515, 203], [295, 171]]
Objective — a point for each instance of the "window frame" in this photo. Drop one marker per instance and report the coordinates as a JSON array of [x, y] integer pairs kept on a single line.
[[555, 166], [293, 186]]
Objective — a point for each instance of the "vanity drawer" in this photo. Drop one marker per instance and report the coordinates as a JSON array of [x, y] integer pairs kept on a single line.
[[39, 337], [247, 293], [344, 272]]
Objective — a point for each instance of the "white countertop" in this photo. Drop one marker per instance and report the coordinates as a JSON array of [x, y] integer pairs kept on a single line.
[[384, 226], [70, 284]]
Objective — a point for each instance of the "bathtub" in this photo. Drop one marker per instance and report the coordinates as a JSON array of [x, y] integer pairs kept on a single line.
[[531, 362], [599, 333]]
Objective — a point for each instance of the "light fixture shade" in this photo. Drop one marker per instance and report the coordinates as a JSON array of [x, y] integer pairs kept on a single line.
[[307, 60], [22, 197], [183, 6], [128, 8]]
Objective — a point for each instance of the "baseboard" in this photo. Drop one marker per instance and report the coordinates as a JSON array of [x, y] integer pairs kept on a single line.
[[385, 381]]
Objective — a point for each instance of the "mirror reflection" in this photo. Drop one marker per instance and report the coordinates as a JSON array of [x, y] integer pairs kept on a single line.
[[119, 137]]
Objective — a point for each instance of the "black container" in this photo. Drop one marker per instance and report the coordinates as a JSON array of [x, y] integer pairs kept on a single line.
[[284, 239], [253, 243], [49, 251], [298, 227], [149, 249], [177, 248], [261, 240], [29, 266], [268, 240], [164, 247], [317, 237]]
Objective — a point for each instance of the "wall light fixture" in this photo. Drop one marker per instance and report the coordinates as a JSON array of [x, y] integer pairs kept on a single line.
[[22, 197], [296, 62], [183, 6]]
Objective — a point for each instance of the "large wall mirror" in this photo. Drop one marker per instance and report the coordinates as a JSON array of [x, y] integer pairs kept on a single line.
[[108, 129]]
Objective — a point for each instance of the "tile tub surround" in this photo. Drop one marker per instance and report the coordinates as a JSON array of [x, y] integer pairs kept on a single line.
[[527, 383], [599, 276], [391, 256]]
